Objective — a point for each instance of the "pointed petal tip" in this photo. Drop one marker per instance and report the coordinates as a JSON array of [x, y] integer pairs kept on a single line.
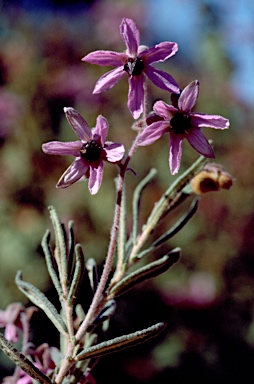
[[174, 172], [127, 20], [136, 114], [93, 191], [58, 185], [68, 109], [207, 152], [193, 83], [174, 166]]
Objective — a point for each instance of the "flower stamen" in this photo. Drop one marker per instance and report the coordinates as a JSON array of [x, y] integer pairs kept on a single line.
[[180, 123], [91, 151], [134, 67]]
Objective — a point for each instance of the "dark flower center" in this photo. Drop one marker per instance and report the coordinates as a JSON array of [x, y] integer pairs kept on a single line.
[[91, 151], [134, 67], [180, 123]]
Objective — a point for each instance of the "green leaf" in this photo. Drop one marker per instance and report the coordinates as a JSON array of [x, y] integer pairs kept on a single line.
[[49, 261], [39, 299], [150, 270], [91, 268], [121, 342], [78, 274], [71, 246], [60, 247], [107, 311], [172, 231], [169, 198], [173, 195], [121, 238], [136, 202], [179, 225]]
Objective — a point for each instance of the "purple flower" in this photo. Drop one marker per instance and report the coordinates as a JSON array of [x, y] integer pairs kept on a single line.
[[10, 320], [90, 151], [43, 358], [135, 62], [181, 123]]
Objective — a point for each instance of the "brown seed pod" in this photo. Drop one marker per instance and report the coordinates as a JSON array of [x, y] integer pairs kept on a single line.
[[213, 177]]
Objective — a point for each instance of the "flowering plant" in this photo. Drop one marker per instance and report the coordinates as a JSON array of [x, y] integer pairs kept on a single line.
[[81, 333]]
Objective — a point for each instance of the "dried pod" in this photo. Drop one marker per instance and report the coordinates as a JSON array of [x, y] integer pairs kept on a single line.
[[213, 177]]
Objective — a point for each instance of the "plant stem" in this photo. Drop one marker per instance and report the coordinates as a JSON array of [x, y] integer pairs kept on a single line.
[[95, 306], [97, 299], [66, 365]]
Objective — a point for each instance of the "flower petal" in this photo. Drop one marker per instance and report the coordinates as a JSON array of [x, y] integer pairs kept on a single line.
[[114, 152], [153, 117], [159, 52], [95, 178], [11, 333], [72, 148], [152, 133], [161, 79], [72, 174], [199, 120], [101, 129], [175, 152], [3, 320], [109, 79], [130, 35], [164, 110], [136, 95], [188, 97], [24, 378], [108, 58], [199, 142], [78, 124]]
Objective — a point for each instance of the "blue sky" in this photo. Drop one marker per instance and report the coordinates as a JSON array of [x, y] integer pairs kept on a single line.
[[180, 20]]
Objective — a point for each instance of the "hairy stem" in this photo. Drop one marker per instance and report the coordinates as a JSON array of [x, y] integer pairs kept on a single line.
[[97, 299], [95, 306]]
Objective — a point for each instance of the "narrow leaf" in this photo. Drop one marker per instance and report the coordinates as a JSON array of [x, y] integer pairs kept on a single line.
[[136, 202], [49, 261], [121, 239], [71, 247], [91, 268], [107, 311], [121, 342], [178, 226], [78, 274], [39, 299], [174, 189], [166, 203], [22, 361], [149, 271], [171, 232], [60, 246]]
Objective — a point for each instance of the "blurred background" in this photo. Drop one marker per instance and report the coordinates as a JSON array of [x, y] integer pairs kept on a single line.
[[207, 299]]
